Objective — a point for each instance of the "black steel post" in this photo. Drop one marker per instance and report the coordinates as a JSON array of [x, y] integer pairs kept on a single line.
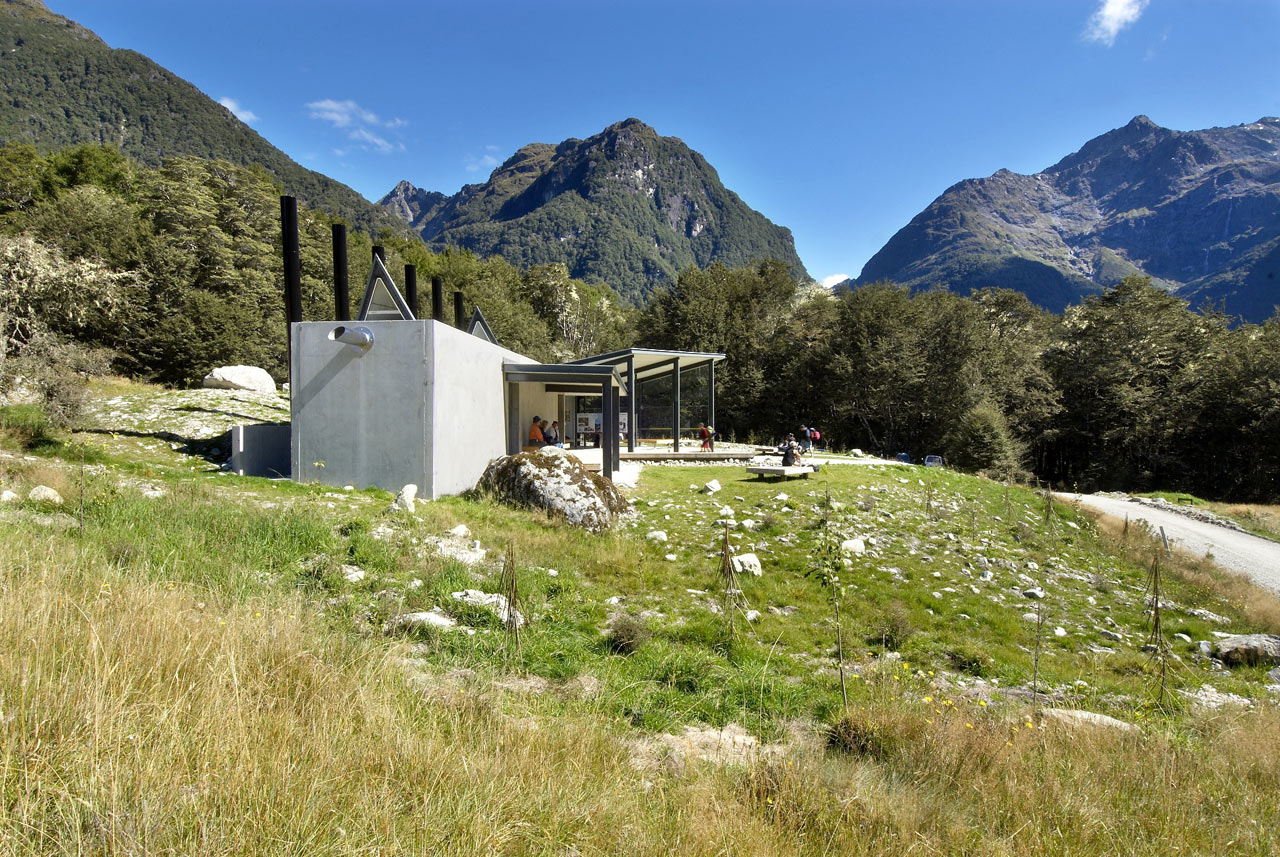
[[632, 394], [437, 298], [292, 269], [675, 405], [411, 288], [609, 430], [459, 320], [711, 394], [341, 292], [614, 446]]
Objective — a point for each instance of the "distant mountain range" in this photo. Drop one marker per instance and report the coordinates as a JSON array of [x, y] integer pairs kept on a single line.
[[61, 85], [1197, 211], [625, 207]]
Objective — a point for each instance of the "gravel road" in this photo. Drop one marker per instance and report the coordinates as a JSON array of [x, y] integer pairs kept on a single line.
[[1245, 553]]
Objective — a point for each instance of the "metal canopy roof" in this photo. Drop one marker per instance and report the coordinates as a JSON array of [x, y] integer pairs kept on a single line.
[[562, 373], [651, 362]]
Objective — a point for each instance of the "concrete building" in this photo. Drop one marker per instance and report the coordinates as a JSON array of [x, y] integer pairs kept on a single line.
[[389, 399]]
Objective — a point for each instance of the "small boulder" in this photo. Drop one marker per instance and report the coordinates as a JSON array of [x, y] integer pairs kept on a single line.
[[753, 615], [405, 499], [8, 496], [656, 536], [1075, 717], [240, 378], [747, 563], [853, 546], [558, 484], [491, 601], [1035, 593], [434, 618], [1273, 676], [712, 487], [44, 494], [1249, 650], [352, 573]]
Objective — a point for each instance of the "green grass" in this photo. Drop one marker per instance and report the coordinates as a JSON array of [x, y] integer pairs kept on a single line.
[[934, 682]]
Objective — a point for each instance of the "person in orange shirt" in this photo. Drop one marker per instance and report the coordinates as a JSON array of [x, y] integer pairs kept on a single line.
[[535, 433]]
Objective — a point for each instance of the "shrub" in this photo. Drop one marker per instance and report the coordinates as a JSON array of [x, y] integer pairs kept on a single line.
[[892, 628], [627, 633]]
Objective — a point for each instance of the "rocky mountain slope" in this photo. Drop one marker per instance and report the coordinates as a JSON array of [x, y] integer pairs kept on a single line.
[[63, 86], [626, 207], [1198, 211]]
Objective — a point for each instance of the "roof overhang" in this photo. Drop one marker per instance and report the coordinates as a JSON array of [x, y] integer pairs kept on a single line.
[[587, 380], [651, 362]]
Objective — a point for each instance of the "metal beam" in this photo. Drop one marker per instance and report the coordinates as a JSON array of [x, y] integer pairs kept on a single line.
[[610, 439], [632, 395], [675, 405], [711, 394]]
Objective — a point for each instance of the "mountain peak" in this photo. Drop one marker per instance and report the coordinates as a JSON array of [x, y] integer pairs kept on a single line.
[[1141, 122]]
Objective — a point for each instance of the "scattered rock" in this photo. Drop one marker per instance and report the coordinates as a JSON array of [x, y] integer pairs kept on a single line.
[[1110, 635], [461, 532], [434, 618], [1209, 698], [853, 546], [8, 496], [352, 573], [1076, 717], [1182, 638], [712, 487], [747, 563], [1249, 650], [656, 536], [1059, 631], [753, 615], [405, 499], [240, 378], [44, 494], [490, 601], [1273, 676], [1035, 593], [671, 557], [557, 483], [1209, 616]]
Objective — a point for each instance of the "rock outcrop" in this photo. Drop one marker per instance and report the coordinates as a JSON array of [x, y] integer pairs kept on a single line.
[[556, 482]]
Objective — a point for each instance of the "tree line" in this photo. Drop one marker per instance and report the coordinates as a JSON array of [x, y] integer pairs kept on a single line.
[[164, 273], [1130, 390]]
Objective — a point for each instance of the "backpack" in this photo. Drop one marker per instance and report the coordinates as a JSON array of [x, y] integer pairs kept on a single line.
[[817, 435]]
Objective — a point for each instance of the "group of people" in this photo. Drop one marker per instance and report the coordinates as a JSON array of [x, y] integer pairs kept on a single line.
[[543, 434], [792, 449]]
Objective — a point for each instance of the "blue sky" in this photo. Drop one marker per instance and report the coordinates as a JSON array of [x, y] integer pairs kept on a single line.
[[839, 120]]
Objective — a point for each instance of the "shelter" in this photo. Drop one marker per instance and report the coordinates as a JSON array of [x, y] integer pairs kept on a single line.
[[390, 399]]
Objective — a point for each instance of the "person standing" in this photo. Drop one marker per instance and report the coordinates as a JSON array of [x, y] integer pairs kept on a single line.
[[806, 439], [707, 434]]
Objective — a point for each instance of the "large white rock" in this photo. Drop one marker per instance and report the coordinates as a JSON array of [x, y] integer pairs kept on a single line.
[[8, 496], [853, 546], [1076, 717], [1249, 649], [404, 499], [44, 494], [240, 378], [433, 618], [490, 601], [747, 563]]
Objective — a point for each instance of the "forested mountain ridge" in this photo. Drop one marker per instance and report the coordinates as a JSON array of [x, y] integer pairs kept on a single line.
[[1197, 211], [626, 207], [63, 86]]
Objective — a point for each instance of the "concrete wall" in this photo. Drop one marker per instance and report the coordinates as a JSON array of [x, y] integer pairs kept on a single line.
[[468, 408], [261, 449], [360, 418], [426, 404]]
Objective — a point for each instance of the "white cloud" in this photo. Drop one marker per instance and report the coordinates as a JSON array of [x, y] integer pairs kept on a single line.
[[472, 164], [1111, 17], [834, 279], [239, 112], [357, 121], [343, 114]]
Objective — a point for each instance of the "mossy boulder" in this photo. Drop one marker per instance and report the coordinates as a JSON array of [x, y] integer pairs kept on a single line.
[[550, 479]]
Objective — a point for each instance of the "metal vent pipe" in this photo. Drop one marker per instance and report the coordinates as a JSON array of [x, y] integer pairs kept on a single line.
[[292, 268], [341, 292], [459, 320], [411, 288], [437, 298]]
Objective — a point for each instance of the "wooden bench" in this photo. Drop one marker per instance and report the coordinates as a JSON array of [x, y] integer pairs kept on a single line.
[[763, 470]]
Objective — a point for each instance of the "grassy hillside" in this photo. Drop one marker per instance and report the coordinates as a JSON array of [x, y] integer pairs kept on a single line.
[[194, 664]]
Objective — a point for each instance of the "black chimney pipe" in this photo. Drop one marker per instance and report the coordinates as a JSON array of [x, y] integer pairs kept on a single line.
[[292, 268], [341, 292], [437, 298], [380, 253], [411, 288], [458, 320]]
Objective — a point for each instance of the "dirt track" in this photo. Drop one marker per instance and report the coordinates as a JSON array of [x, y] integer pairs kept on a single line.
[[1245, 553]]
